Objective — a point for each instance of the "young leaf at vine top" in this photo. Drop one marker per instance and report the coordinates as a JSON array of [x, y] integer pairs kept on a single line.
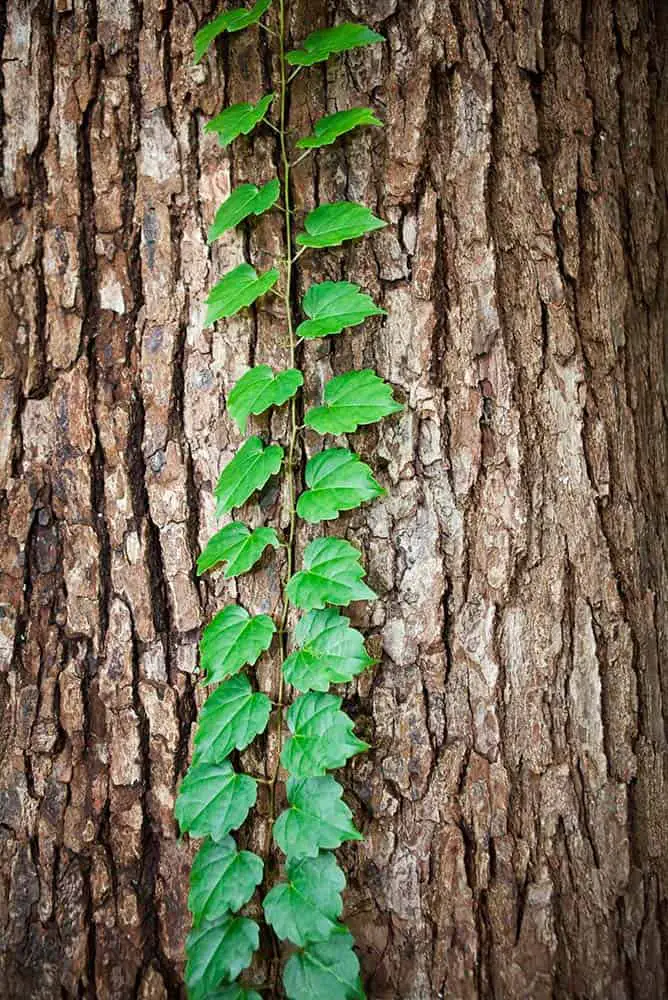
[[245, 200], [232, 716], [237, 289], [352, 399], [332, 574], [239, 547], [231, 20], [321, 44], [322, 736], [306, 908], [329, 651], [249, 470], [324, 969], [332, 224], [338, 480], [334, 305], [222, 878], [218, 952], [259, 389], [328, 129], [316, 818], [232, 640], [239, 119], [214, 800]]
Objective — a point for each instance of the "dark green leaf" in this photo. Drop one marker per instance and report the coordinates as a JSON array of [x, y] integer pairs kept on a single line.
[[259, 389], [236, 290], [238, 119], [234, 992], [356, 398], [230, 720], [221, 879], [218, 952], [231, 640], [214, 799], [245, 200], [332, 575], [331, 225], [337, 480], [249, 470], [306, 907], [322, 736], [328, 129], [327, 41], [330, 652], [327, 969], [334, 305], [231, 20], [237, 546], [316, 818]]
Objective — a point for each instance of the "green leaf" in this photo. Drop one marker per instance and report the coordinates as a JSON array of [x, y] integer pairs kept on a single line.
[[306, 907], [232, 716], [238, 119], [328, 129], [237, 546], [249, 470], [259, 389], [330, 652], [245, 200], [231, 20], [221, 879], [334, 305], [237, 289], [234, 992], [338, 480], [218, 952], [330, 225], [319, 45], [332, 574], [214, 799], [317, 818], [326, 969], [232, 640], [322, 736], [356, 398]]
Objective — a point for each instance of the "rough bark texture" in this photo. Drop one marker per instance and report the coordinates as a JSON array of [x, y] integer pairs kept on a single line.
[[515, 801]]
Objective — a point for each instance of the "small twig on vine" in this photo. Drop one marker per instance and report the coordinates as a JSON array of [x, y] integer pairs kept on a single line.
[[302, 157]]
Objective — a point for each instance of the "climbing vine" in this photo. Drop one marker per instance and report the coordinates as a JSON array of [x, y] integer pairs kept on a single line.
[[304, 907]]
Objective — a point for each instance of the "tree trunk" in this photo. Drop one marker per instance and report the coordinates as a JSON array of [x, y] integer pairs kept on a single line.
[[514, 801]]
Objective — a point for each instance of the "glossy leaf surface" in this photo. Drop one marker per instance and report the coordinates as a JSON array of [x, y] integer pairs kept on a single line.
[[327, 969], [328, 129], [332, 574], [319, 45], [329, 652], [249, 470], [232, 716], [317, 818], [332, 224], [218, 952], [334, 305], [352, 399], [231, 20], [239, 547], [258, 389], [322, 736], [337, 480], [232, 640], [214, 799], [221, 879], [307, 906], [238, 119], [236, 290], [245, 200]]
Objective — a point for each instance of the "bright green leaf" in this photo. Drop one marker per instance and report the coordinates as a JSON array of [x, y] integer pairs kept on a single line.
[[238, 546], [316, 818], [329, 652], [332, 574], [238, 119], [232, 640], [259, 389], [237, 289], [325, 969], [232, 716], [330, 225], [234, 992], [322, 736], [328, 129], [221, 879], [231, 20], [306, 907], [218, 952], [334, 305], [245, 200], [358, 397], [249, 470], [214, 799], [328, 41], [338, 480]]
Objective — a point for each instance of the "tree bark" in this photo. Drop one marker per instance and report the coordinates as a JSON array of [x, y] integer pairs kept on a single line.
[[515, 799]]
